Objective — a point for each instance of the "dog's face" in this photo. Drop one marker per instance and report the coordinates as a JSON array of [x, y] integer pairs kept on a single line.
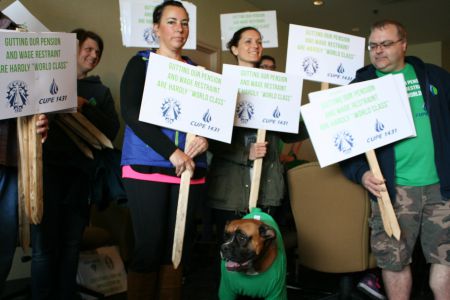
[[245, 241]]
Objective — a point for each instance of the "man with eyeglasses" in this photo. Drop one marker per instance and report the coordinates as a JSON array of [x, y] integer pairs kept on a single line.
[[267, 62], [416, 170]]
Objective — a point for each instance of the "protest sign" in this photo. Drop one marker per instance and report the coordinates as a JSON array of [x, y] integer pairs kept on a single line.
[[21, 15], [264, 21], [136, 23], [323, 55], [346, 121], [267, 99], [38, 73], [186, 98]]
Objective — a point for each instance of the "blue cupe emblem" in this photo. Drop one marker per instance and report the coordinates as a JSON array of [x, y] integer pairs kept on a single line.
[[343, 141], [379, 126], [17, 95], [54, 87], [245, 111], [276, 113], [310, 66], [171, 110], [206, 117]]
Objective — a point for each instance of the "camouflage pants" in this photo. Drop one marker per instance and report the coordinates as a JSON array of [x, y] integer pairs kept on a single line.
[[422, 213]]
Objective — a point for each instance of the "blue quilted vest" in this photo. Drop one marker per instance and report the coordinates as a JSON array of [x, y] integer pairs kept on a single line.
[[136, 152]]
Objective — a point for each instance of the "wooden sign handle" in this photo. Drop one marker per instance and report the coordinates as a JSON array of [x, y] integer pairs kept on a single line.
[[324, 86], [30, 194], [180, 223], [23, 185], [390, 222], [30, 172], [257, 168]]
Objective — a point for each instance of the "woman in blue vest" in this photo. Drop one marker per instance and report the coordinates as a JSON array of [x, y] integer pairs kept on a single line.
[[153, 158]]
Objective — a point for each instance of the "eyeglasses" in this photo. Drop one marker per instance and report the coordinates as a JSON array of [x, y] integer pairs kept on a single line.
[[267, 67], [382, 45]]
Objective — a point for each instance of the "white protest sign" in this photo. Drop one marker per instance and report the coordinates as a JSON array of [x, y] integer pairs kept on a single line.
[[267, 99], [264, 21], [346, 121], [21, 15], [136, 23], [323, 55], [38, 73], [187, 98]]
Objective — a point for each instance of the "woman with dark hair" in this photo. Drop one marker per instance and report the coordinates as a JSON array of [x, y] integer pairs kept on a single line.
[[67, 178], [153, 158], [229, 176]]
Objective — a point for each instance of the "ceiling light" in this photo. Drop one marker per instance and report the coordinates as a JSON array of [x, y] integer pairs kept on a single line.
[[317, 2]]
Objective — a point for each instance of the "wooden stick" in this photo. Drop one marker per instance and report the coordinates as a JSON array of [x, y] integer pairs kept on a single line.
[[183, 197], [384, 202], [77, 140], [22, 133], [257, 168], [386, 224], [30, 172], [80, 130], [24, 223], [23, 201], [36, 182], [92, 129]]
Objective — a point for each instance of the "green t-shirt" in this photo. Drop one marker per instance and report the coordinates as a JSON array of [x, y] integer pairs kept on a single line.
[[414, 157]]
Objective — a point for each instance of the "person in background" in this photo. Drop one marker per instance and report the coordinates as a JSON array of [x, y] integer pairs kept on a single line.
[[67, 178], [153, 159], [9, 219], [229, 176], [267, 62], [416, 170]]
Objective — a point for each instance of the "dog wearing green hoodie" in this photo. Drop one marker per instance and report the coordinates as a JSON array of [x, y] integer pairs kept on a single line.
[[253, 259]]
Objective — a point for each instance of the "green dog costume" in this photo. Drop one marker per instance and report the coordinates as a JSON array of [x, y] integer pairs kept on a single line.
[[270, 285]]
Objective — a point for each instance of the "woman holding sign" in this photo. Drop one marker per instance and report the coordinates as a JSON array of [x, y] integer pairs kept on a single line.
[[153, 159], [231, 167]]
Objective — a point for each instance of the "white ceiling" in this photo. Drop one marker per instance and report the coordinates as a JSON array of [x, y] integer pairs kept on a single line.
[[425, 20]]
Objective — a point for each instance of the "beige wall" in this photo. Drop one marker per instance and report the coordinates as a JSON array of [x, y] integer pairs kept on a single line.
[[102, 16], [428, 52]]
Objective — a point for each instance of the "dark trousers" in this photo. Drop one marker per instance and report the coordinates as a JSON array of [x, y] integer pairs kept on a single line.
[[56, 241], [8, 220], [153, 208]]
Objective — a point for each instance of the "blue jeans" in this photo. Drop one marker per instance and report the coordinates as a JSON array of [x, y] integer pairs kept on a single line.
[[56, 241], [8, 220]]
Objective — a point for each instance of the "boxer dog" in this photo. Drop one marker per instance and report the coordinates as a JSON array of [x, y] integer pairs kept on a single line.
[[253, 259]]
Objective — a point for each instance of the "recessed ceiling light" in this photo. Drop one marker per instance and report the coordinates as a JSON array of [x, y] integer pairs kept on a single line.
[[317, 2]]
